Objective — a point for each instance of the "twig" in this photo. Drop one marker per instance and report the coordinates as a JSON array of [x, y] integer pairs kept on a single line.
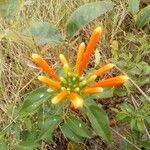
[[125, 139]]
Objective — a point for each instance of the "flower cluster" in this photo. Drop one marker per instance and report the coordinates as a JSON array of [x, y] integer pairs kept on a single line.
[[74, 84]]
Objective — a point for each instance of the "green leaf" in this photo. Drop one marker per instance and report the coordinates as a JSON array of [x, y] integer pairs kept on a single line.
[[9, 8], [107, 93], [121, 116], [78, 126], [85, 14], [48, 127], [3, 146], [99, 122], [28, 140], [143, 17], [68, 133], [133, 124], [140, 125], [44, 33], [33, 100], [145, 144], [129, 108], [134, 6]]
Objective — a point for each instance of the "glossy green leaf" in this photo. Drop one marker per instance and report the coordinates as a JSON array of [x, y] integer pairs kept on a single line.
[[143, 17], [33, 100], [85, 14], [99, 122], [78, 126], [134, 6], [44, 33], [68, 133], [9, 8], [48, 127]]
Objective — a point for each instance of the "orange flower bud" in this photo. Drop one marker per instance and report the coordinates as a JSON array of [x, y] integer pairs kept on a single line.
[[103, 69], [91, 78], [111, 82], [96, 35], [76, 100], [59, 98], [49, 82], [79, 57], [40, 62], [92, 90]]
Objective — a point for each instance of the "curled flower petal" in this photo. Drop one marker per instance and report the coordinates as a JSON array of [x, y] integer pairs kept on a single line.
[[111, 82], [60, 97], [92, 90], [103, 69], [40, 62], [76, 100], [79, 57], [49, 82], [65, 63], [96, 35]]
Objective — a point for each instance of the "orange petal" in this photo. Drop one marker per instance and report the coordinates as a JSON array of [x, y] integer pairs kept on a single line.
[[116, 81], [65, 63], [49, 82], [79, 57], [40, 62], [60, 97], [93, 90], [103, 69], [96, 35], [76, 100]]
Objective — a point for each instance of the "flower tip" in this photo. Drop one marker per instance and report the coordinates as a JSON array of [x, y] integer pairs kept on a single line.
[[98, 29], [35, 56], [100, 90], [124, 78], [49, 90], [61, 56], [54, 101], [40, 78], [82, 45], [111, 65]]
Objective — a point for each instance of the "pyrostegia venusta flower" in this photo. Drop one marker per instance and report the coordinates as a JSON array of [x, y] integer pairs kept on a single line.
[[74, 84]]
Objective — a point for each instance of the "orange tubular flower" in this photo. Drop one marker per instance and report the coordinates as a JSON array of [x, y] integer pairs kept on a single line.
[[79, 57], [76, 100], [90, 48], [93, 90], [116, 81], [65, 63], [49, 82], [72, 84], [103, 69], [40, 62], [59, 98]]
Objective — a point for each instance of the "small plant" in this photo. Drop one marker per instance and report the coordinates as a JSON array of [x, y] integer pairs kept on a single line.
[[74, 85]]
